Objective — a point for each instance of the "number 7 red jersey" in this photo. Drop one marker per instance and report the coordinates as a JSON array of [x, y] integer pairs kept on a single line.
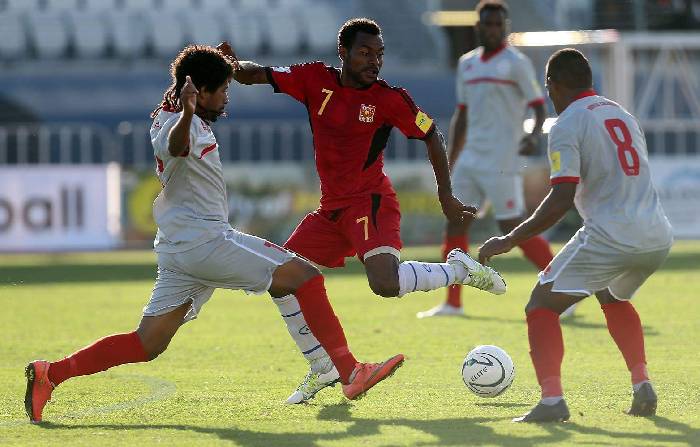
[[350, 128]]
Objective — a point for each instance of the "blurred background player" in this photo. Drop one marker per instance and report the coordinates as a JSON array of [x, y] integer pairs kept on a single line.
[[352, 112], [198, 250], [599, 162], [495, 86]]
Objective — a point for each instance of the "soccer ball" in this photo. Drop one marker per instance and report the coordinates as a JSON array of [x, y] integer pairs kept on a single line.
[[488, 371]]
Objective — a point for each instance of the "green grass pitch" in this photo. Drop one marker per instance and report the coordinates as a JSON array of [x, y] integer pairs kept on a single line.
[[225, 375]]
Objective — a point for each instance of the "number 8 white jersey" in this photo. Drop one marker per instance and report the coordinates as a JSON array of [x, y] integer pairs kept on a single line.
[[598, 144]]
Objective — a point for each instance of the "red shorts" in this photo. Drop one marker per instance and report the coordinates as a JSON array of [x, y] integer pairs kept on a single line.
[[327, 237]]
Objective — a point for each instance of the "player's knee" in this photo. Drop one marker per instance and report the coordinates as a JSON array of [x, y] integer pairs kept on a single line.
[[384, 287]]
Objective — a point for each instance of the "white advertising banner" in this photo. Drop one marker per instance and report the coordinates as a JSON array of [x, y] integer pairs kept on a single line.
[[59, 207], [678, 182]]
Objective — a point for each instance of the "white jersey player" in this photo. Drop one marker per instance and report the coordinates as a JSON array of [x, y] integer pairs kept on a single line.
[[599, 162], [495, 86], [197, 249]]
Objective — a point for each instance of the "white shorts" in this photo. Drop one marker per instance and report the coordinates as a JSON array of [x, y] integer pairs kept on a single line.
[[504, 191], [233, 260], [587, 265]]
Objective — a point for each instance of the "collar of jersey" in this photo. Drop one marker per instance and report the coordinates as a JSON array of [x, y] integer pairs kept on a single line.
[[583, 94], [486, 55], [337, 78]]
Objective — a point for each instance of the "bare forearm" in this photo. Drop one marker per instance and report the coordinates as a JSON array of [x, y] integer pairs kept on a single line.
[[550, 211], [540, 116], [250, 73], [179, 136], [456, 136], [438, 158]]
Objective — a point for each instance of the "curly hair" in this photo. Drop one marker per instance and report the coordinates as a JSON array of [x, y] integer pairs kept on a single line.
[[207, 67], [347, 32]]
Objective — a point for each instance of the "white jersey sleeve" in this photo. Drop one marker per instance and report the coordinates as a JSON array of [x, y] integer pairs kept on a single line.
[[461, 94], [564, 156], [524, 75], [201, 138]]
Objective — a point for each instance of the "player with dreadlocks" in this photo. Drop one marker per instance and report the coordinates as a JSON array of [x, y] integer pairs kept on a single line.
[[198, 251]]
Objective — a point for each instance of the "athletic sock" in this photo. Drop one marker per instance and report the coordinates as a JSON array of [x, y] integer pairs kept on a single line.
[[424, 276], [319, 315], [454, 292], [625, 327], [309, 346], [105, 353], [538, 251], [546, 350]]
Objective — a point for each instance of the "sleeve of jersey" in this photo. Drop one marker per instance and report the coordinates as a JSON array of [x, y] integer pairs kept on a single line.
[[291, 80], [527, 81], [405, 114], [564, 157], [202, 140], [160, 141]]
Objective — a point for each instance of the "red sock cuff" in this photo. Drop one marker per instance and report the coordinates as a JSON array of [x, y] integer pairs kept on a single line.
[[616, 306], [311, 286], [541, 312]]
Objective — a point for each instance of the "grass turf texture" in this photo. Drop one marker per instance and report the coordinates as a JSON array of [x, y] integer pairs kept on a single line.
[[225, 375]]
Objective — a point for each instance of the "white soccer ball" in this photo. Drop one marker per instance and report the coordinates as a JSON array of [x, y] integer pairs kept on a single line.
[[488, 371]]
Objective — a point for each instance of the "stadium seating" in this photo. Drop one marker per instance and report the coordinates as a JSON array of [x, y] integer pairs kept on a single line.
[[142, 29]]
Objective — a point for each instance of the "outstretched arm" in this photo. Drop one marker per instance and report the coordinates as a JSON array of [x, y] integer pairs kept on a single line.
[[457, 135], [559, 200], [453, 209], [245, 72]]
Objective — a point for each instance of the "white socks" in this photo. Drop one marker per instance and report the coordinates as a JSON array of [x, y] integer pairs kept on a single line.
[[424, 276], [301, 334]]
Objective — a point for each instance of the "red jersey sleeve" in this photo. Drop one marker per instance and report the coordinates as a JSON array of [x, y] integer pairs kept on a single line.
[[293, 80], [407, 116]]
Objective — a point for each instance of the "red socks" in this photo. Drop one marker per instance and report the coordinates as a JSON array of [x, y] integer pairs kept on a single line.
[[103, 354], [325, 326], [538, 251], [454, 293], [625, 327], [546, 349]]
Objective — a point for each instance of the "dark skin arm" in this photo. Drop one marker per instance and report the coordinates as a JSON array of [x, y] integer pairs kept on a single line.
[[453, 209], [457, 135], [530, 142], [246, 72], [559, 200]]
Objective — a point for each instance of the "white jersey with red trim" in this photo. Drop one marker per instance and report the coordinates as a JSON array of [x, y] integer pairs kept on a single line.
[[597, 143], [496, 88], [192, 208]]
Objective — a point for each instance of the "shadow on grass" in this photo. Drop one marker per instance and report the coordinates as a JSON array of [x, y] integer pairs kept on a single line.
[[444, 432]]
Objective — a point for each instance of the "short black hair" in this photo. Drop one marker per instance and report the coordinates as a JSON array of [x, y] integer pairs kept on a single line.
[[492, 5], [570, 67], [206, 66], [347, 33]]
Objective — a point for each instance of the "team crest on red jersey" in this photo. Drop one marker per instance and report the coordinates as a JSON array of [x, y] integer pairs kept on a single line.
[[367, 113]]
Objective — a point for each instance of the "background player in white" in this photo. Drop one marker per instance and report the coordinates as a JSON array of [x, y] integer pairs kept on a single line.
[[495, 85], [198, 251], [599, 162]]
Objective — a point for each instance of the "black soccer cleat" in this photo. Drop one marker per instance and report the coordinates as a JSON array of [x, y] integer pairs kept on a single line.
[[643, 401], [546, 413]]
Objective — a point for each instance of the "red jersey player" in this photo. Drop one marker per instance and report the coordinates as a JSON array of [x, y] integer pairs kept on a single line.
[[352, 113]]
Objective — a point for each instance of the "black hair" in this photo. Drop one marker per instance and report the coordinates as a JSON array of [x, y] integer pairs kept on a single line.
[[206, 66], [570, 67], [492, 5], [349, 30]]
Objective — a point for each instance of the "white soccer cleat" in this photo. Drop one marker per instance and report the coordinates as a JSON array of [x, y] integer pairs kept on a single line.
[[312, 384], [471, 273], [441, 310]]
